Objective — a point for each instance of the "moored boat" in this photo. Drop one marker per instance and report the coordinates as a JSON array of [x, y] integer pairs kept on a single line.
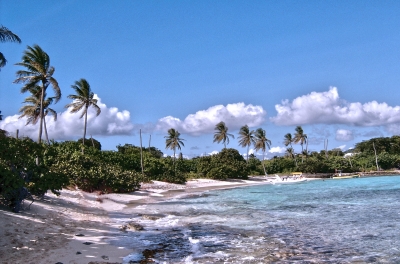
[[292, 178], [337, 176]]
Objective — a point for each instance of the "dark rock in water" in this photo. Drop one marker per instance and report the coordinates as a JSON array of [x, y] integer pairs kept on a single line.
[[78, 253], [132, 226], [149, 253], [105, 257], [59, 263], [87, 243], [152, 217], [135, 226], [80, 235]]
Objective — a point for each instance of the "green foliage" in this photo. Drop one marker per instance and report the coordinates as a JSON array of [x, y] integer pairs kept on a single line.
[[130, 149], [389, 145], [18, 167], [226, 164], [254, 166], [96, 170], [91, 142]]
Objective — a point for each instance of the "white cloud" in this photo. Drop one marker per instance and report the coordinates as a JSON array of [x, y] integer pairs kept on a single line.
[[215, 152], [68, 126], [279, 150], [204, 121], [344, 135], [328, 108]]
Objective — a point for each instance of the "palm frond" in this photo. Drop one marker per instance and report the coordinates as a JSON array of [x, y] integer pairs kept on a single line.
[[3, 60], [8, 35]]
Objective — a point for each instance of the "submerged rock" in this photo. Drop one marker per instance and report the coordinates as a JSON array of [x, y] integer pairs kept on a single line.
[[132, 226]]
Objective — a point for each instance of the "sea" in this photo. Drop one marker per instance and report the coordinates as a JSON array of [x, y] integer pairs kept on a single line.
[[318, 221]]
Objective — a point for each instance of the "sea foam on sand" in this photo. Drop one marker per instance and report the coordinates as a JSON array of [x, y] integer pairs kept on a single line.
[[75, 226]]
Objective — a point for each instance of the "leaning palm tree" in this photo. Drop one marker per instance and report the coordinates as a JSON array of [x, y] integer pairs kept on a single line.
[[83, 99], [38, 72], [246, 138], [6, 36], [301, 138], [222, 134], [261, 142], [32, 109], [173, 141]]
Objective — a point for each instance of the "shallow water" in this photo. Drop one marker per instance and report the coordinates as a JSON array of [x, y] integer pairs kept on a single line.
[[321, 221]]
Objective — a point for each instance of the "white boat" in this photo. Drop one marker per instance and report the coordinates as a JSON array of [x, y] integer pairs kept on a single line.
[[294, 177]]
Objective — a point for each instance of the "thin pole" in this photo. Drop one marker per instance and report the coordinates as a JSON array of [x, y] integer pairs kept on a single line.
[[141, 152]]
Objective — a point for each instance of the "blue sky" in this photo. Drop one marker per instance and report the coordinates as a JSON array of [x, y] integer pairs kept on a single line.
[[330, 66]]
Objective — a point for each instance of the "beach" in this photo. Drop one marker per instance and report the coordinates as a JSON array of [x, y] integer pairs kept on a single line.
[[76, 226]]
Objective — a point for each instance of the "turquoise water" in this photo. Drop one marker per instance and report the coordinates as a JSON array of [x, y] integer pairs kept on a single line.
[[321, 221]]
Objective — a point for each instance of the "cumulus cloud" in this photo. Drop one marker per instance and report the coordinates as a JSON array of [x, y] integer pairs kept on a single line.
[[111, 121], [279, 150], [215, 152], [344, 135], [328, 108], [204, 121]]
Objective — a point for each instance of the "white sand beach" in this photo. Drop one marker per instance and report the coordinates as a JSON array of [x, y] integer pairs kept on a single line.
[[74, 227]]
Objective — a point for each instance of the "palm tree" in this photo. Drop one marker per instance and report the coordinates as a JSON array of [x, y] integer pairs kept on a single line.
[[288, 139], [38, 71], [261, 142], [6, 36], [173, 141], [290, 153], [246, 138], [305, 153], [301, 138], [32, 109], [222, 134], [83, 99]]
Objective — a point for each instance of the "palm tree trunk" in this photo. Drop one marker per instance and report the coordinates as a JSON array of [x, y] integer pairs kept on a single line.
[[41, 113], [302, 156], [376, 157], [174, 163], [45, 130], [263, 164], [84, 129], [248, 154]]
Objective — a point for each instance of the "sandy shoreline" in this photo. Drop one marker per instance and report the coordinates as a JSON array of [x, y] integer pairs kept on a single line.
[[75, 227]]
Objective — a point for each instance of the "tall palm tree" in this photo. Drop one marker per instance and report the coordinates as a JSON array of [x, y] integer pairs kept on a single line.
[[83, 99], [6, 36], [261, 142], [222, 134], [173, 141], [300, 137], [288, 139], [38, 72], [32, 109], [246, 138]]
